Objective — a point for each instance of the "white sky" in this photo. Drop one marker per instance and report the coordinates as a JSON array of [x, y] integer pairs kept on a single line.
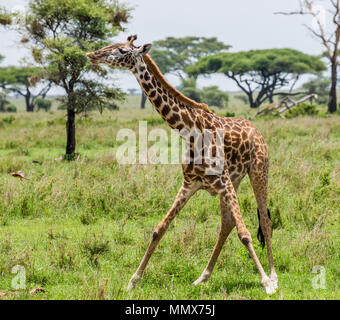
[[243, 24]]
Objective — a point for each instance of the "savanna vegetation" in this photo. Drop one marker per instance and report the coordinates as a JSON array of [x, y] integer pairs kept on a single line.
[[81, 227]]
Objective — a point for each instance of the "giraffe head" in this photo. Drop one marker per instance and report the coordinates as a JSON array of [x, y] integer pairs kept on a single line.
[[120, 55]]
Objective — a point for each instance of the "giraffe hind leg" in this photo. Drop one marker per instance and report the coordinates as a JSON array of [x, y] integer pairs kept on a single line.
[[260, 235], [259, 180], [230, 200]]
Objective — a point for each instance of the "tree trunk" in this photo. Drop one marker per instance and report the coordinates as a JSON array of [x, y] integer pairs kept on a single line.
[[270, 97], [29, 105], [255, 104], [143, 100], [332, 94], [251, 101], [70, 132]]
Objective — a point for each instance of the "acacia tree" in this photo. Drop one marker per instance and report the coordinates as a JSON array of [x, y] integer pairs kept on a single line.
[[260, 73], [60, 33], [329, 40], [21, 80], [183, 52]]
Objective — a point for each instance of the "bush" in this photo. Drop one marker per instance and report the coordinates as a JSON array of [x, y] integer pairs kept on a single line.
[[214, 97], [229, 114], [10, 108], [302, 109], [43, 104], [192, 93]]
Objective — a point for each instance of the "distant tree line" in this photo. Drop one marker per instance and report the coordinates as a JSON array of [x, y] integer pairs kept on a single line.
[[260, 74]]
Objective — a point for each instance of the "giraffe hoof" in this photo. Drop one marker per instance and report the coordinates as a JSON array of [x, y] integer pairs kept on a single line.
[[203, 278], [133, 282], [268, 286], [275, 281], [198, 281]]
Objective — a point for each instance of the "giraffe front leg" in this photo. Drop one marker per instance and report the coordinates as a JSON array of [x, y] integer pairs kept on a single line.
[[183, 195], [227, 225]]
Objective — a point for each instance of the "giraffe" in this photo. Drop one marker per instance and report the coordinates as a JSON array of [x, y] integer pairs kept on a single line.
[[244, 152]]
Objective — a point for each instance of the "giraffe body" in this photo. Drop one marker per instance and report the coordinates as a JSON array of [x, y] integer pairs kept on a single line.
[[244, 152]]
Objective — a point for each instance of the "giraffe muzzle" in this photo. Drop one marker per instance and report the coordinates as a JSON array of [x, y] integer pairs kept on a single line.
[[92, 57]]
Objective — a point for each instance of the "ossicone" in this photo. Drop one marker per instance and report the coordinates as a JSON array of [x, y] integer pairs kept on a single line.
[[131, 39]]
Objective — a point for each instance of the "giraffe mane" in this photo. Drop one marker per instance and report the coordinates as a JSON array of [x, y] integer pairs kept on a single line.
[[176, 94]]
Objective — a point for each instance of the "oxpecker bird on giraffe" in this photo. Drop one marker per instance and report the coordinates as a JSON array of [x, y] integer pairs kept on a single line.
[[244, 152]]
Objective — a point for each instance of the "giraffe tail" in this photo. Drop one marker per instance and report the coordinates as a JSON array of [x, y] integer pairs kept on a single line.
[[260, 235]]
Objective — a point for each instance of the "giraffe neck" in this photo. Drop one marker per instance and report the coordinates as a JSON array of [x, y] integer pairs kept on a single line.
[[167, 100]]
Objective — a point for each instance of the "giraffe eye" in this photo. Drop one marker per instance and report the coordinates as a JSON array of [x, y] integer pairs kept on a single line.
[[122, 51]]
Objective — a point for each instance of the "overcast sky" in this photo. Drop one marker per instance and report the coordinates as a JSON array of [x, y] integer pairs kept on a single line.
[[243, 24]]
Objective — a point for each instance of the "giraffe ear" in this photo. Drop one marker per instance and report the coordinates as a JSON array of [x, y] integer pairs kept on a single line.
[[144, 49]]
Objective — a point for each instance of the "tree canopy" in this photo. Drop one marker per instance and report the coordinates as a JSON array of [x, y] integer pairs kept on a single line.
[[60, 33], [176, 54], [260, 73], [162, 59], [21, 80]]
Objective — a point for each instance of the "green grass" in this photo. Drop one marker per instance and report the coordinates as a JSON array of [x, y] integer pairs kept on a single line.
[[75, 225]]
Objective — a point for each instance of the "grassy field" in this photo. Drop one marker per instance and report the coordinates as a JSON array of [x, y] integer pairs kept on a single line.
[[80, 228]]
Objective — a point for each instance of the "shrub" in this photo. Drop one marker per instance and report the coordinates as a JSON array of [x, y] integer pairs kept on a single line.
[[43, 104], [229, 114], [214, 97], [301, 110], [10, 108], [192, 93]]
